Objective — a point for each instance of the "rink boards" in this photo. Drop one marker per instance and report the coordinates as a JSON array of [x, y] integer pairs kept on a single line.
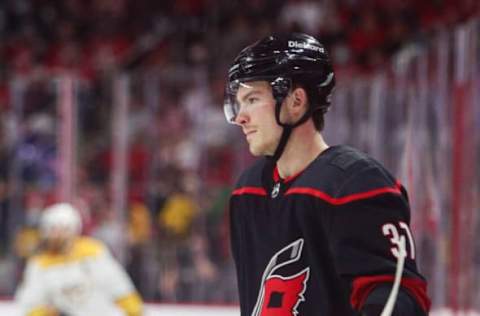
[[9, 308]]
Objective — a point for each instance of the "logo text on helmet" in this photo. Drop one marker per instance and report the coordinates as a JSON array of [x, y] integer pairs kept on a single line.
[[302, 45]]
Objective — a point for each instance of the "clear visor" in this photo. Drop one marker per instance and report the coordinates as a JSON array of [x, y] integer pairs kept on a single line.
[[231, 106]]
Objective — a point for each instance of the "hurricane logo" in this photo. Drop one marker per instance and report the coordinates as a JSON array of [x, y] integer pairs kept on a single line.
[[281, 295]]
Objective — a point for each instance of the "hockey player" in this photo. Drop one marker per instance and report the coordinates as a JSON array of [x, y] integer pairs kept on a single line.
[[74, 275], [315, 229]]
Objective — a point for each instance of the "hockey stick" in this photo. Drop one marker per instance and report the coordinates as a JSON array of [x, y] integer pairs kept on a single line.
[[388, 309]]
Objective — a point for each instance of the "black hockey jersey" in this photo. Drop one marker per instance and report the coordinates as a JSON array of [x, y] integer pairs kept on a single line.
[[317, 243]]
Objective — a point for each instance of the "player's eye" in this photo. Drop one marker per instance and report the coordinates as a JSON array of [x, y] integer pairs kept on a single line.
[[252, 100]]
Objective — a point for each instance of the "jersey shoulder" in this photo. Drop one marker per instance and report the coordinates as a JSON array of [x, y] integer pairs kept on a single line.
[[82, 248], [343, 171], [88, 247]]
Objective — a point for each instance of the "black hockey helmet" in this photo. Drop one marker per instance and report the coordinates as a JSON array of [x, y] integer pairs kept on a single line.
[[283, 60]]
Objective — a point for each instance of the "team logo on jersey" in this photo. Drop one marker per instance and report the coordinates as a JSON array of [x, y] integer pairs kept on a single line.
[[275, 190], [280, 295]]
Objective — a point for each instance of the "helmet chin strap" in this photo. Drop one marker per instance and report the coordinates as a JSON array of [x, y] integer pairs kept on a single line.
[[287, 130]]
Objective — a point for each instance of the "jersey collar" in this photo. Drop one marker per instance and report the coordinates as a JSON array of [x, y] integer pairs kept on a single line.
[[277, 178]]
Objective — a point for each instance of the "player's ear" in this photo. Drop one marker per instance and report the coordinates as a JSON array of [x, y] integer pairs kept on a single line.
[[295, 105], [299, 101]]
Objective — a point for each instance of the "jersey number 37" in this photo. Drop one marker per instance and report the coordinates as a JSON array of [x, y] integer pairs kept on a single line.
[[393, 233]]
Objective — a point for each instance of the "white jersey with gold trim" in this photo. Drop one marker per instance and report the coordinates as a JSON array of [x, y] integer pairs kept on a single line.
[[86, 281]]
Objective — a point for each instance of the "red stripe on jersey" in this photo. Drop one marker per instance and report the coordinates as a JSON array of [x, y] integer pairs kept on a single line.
[[363, 286], [276, 174], [345, 199], [250, 190]]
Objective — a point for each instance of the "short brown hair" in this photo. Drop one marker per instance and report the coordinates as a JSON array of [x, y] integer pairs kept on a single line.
[[319, 119], [319, 110]]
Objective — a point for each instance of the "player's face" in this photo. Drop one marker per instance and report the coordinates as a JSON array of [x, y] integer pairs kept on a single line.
[[58, 240], [257, 117]]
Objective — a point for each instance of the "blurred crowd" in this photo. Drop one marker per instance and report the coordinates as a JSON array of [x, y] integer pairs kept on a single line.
[[94, 37], [182, 157]]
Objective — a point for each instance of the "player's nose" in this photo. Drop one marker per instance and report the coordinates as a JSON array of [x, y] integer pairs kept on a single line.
[[242, 117]]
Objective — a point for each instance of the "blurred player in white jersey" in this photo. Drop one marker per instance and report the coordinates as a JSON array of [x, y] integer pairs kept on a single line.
[[74, 275]]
